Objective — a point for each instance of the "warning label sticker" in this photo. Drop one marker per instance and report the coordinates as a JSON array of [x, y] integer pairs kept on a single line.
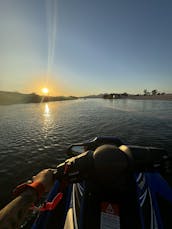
[[109, 216]]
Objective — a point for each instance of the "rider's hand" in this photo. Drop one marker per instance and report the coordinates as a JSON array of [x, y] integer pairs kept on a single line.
[[45, 177]]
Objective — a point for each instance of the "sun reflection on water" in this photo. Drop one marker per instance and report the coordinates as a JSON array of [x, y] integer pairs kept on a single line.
[[46, 110], [47, 121]]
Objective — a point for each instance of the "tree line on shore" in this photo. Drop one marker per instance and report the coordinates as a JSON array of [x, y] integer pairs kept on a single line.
[[16, 97], [154, 92]]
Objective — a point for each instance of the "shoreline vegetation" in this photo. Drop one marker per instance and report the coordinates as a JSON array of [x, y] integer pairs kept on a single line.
[[153, 95], [9, 98]]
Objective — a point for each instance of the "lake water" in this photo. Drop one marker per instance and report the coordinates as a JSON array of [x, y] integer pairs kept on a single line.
[[35, 136]]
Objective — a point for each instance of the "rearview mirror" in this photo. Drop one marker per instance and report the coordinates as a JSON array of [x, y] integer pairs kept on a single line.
[[76, 149]]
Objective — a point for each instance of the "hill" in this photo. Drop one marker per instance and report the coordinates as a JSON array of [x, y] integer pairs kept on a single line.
[[7, 98]]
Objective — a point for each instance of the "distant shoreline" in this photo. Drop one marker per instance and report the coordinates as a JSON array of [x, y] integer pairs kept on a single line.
[[10, 98], [167, 97]]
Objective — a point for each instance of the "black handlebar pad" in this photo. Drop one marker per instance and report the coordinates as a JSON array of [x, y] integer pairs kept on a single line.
[[109, 161]]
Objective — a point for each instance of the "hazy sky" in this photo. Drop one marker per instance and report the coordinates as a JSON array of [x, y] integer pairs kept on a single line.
[[80, 47]]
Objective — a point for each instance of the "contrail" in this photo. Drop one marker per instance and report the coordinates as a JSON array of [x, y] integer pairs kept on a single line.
[[51, 17]]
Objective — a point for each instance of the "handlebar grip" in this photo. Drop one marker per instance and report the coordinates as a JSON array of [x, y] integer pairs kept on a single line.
[[78, 168], [150, 159]]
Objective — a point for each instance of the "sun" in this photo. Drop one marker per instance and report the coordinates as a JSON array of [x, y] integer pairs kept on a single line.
[[45, 90]]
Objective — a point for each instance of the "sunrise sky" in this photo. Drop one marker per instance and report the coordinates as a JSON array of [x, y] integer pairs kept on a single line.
[[81, 47]]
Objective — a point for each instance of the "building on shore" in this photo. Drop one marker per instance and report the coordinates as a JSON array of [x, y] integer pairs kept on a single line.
[[115, 96]]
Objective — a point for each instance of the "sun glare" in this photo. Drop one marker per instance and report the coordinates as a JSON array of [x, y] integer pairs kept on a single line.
[[47, 110], [45, 90]]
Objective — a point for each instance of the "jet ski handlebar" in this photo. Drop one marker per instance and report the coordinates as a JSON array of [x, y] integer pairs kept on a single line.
[[111, 161]]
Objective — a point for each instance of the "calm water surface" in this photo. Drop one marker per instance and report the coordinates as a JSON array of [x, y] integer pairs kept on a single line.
[[35, 136]]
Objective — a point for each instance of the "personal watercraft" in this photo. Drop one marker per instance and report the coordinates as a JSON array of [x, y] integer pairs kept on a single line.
[[107, 184]]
